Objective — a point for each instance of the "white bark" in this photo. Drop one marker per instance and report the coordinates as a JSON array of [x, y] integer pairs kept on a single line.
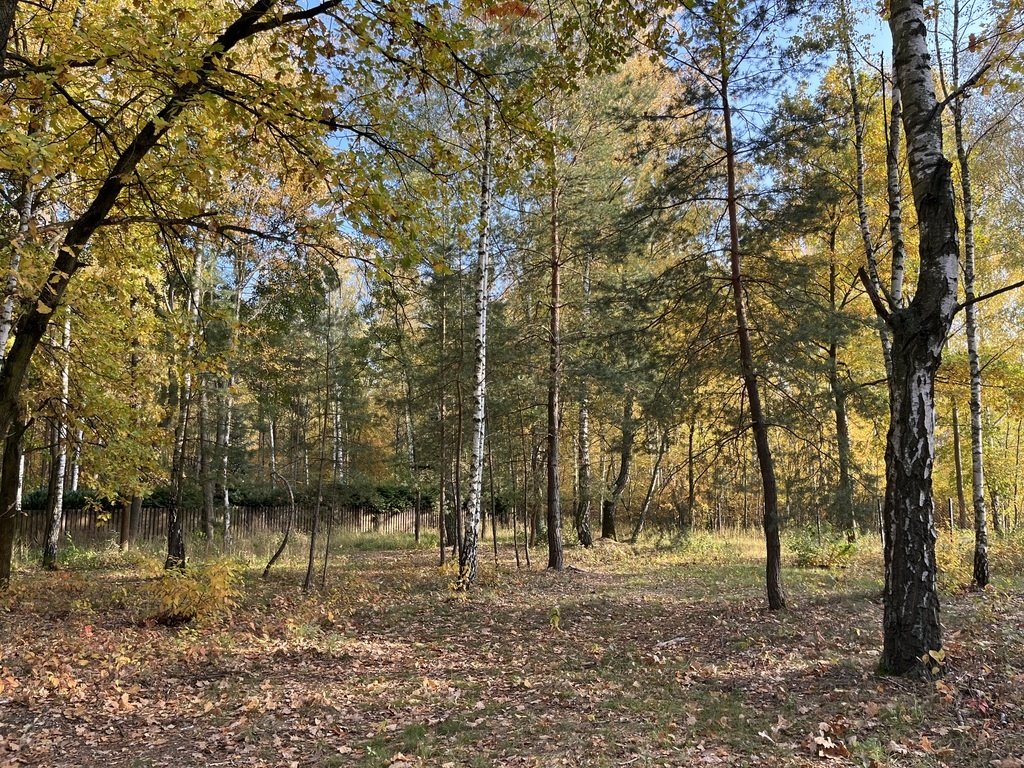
[[981, 570], [870, 249], [55, 497], [468, 558], [911, 615], [895, 195]]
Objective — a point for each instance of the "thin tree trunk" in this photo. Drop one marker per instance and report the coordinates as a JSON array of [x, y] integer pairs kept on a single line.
[[556, 557], [307, 583], [493, 500], [981, 566], [225, 452], [1016, 476], [515, 503], [175, 534], [468, 556], [958, 464], [649, 496], [58, 457], [288, 527], [894, 194], [583, 501], [272, 437], [844, 493], [686, 517], [205, 470], [870, 252], [773, 545], [609, 505], [442, 505]]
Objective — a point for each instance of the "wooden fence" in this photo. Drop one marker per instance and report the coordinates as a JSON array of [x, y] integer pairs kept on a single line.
[[92, 526]]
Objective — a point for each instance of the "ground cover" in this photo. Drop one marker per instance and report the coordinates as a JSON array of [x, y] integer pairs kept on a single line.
[[661, 655]]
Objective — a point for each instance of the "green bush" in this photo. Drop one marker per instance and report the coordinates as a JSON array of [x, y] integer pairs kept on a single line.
[[831, 550]]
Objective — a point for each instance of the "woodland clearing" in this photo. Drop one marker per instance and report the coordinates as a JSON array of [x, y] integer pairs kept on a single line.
[[642, 656]]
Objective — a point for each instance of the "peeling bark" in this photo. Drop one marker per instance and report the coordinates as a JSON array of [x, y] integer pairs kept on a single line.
[[911, 614]]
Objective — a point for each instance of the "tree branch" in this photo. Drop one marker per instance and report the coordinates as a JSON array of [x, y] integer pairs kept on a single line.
[[989, 295], [876, 300]]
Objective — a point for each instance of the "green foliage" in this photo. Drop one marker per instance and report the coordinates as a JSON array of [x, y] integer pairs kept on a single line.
[[954, 563], [203, 592], [36, 499], [703, 546], [1006, 553], [831, 550]]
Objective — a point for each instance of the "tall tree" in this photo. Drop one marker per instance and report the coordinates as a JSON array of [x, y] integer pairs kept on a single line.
[[911, 613]]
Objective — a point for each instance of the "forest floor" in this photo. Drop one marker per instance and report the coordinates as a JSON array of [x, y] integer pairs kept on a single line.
[[631, 657]]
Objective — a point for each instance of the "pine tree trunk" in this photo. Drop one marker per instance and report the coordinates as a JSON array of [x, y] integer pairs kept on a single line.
[[773, 545], [468, 556], [911, 614]]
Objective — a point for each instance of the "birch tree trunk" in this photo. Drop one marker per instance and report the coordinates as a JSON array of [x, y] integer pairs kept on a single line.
[[844, 492], [911, 614], [870, 250], [205, 468], [556, 557], [76, 462], [981, 569], [225, 460], [272, 438], [583, 500], [759, 424], [958, 464], [468, 555], [58, 456], [175, 534], [442, 418], [894, 193]]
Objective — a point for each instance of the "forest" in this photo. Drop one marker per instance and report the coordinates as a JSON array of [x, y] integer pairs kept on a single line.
[[511, 382]]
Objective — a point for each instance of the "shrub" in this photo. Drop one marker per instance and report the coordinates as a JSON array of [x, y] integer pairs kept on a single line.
[[831, 550], [954, 563], [199, 592]]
